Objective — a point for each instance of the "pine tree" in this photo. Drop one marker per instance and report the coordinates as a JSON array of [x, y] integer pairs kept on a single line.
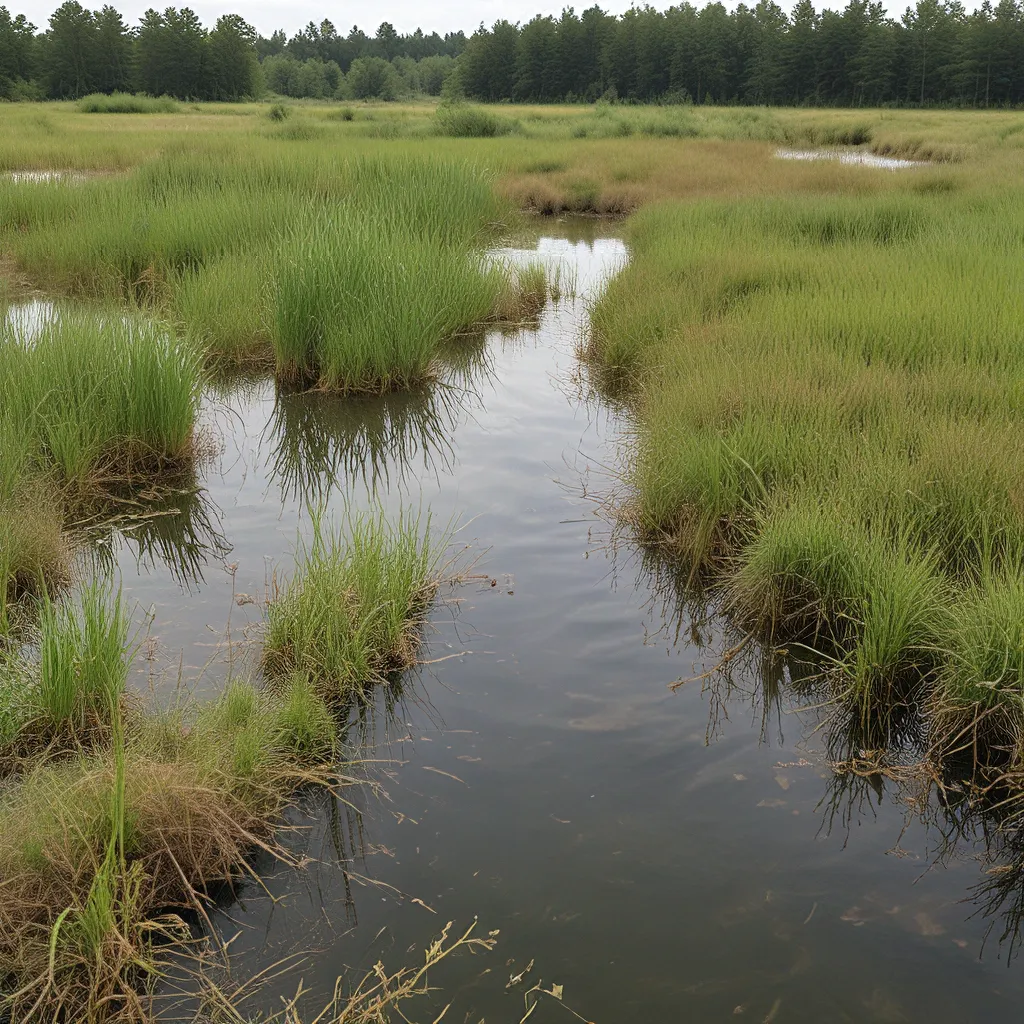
[[232, 58], [71, 57]]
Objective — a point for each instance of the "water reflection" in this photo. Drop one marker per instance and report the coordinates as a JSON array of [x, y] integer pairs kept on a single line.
[[867, 764], [853, 157], [317, 443], [175, 527], [554, 785]]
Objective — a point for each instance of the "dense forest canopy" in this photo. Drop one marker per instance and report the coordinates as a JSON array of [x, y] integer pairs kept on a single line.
[[936, 54]]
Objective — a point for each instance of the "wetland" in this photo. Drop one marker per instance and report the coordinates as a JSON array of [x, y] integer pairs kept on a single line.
[[661, 803]]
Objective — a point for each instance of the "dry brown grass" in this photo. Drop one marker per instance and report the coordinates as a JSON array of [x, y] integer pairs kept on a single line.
[[201, 793]]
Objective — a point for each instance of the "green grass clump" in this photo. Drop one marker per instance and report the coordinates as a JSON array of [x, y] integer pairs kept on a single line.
[[462, 121], [94, 846], [352, 613], [866, 598], [82, 660], [979, 706], [227, 309], [102, 398], [70, 686], [362, 308], [126, 103]]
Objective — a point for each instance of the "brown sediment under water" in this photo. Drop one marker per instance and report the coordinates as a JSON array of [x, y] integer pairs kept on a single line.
[[852, 157], [662, 855]]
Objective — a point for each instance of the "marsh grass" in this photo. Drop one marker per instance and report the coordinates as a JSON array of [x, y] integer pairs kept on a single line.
[[126, 103], [361, 308], [348, 272], [352, 614], [99, 398], [100, 847], [464, 121], [828, 413], [82, 662], [34, 552]]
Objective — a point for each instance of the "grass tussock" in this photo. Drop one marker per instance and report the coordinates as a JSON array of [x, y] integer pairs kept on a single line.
[[127, 103], [99, 398], [361, 309], [463, 121], [352, 614]]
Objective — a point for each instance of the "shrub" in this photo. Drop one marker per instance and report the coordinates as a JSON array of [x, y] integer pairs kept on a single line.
[[462, 121], [127, 103]]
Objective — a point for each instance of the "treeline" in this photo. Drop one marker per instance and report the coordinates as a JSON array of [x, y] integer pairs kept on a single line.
[[171, 53], [935, 54]]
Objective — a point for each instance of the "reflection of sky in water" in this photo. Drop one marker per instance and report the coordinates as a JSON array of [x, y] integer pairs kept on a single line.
[[852, 157], [548, 781], [46, 177], [26, 319]]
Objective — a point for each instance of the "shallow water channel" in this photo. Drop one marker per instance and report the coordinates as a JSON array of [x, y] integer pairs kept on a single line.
[[662, 855]]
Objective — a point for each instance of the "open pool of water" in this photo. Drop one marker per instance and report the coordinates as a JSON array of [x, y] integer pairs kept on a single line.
[[857, 157]]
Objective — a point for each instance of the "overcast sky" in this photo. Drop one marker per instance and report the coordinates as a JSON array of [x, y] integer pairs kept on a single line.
[[406, 15]]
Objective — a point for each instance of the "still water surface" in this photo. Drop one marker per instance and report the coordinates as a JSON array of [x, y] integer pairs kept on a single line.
[[662, 855], [853, 157]]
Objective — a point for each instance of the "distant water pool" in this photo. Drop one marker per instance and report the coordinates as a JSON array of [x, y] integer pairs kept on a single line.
[[858, 157]]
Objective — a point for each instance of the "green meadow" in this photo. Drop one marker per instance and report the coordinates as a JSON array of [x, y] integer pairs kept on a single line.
[[823, 364]]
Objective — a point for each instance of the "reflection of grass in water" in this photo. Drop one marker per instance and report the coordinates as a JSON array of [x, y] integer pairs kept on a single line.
[[319, 441], [176, 527]]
